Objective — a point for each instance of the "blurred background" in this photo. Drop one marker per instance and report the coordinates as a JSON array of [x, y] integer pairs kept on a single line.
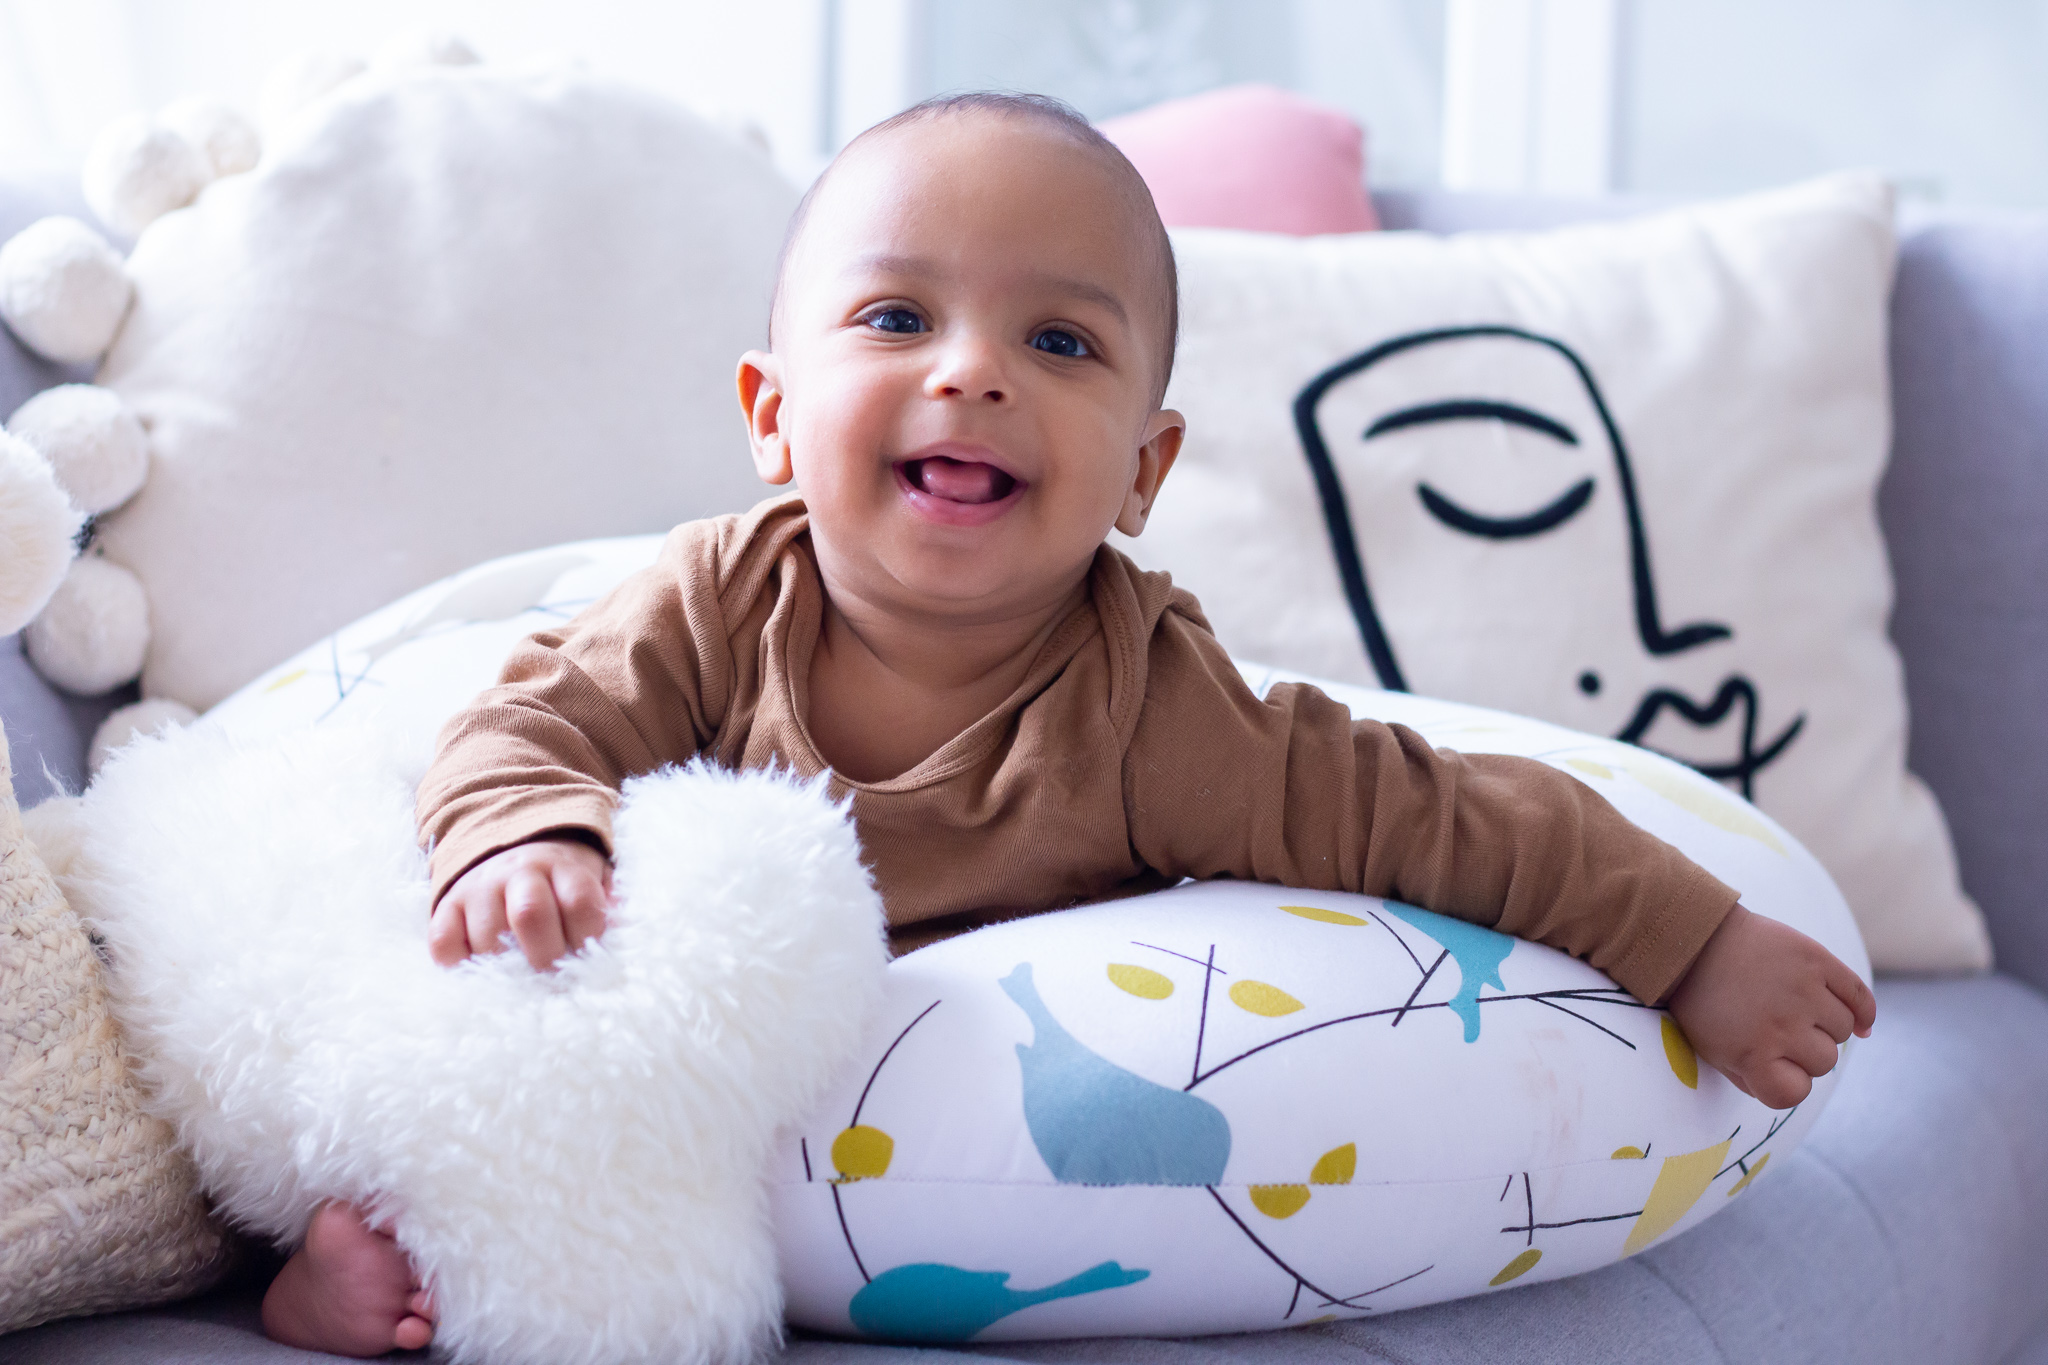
[[1649, 97]]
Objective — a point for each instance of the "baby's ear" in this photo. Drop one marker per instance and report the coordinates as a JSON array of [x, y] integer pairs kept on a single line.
[[760, 383], [1161, 447]]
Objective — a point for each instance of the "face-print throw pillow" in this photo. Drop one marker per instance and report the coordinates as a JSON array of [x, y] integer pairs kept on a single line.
[[1618, 476]]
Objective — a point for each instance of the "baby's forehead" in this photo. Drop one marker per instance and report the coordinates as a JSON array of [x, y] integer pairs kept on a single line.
[[990, 181], [1039, 166]]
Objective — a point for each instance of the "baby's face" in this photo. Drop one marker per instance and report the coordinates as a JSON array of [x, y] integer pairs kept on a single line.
[[970, 335]]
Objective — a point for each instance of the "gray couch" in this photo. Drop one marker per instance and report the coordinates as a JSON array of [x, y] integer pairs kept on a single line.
[[1913, 1225]]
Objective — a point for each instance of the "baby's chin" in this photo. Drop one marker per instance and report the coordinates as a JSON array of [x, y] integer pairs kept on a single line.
[[997, 579]]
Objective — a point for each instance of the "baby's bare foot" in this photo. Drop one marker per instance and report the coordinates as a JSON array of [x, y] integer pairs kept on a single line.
[[349, 1291]]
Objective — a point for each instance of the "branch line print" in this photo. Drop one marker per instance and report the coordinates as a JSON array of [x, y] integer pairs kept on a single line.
[[1095, 1123]]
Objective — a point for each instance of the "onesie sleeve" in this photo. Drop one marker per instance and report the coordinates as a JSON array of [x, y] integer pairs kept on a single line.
[[1291, 790], [631, 684]]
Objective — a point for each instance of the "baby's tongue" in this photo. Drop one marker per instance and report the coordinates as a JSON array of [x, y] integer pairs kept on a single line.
[[962, 480]]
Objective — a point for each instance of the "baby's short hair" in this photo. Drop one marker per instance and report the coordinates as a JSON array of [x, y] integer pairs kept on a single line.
[[1044, 109]]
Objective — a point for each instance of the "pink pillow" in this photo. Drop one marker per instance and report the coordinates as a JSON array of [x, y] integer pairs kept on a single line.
[[1250, 156]]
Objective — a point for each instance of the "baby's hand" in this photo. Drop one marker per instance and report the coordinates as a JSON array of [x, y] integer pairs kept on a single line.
[[550, 894], [1766, 1006]]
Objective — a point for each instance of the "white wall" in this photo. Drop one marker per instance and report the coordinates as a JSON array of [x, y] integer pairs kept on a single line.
[[1380, 60], [1704, 98], [1950, 98], [69, 66]]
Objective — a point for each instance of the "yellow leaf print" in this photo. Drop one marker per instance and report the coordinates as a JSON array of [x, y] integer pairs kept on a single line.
[[1260, 998], [1699, 796], [1279, 1201], [1142, 982], [861, 1152], [1322, 916], [1588, 766], [1629, 1154], [1518, 1267], [1680, 1183], [288, 679], [1752, 1173], [1336, 1166], [1685, 1063]]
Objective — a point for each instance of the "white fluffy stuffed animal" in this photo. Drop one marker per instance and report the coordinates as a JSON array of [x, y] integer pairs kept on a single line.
[[576, 1159]]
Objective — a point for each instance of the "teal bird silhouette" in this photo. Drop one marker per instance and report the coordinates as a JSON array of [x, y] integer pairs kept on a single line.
[[1478, 951], [932, 1302], [1098, 1124]]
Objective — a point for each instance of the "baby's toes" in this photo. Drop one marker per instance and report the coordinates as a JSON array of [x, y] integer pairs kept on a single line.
[[413, 1334]]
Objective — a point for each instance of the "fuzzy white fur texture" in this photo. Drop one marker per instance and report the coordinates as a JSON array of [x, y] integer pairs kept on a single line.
[[63, 290], [38, 528], [144, 717], [577, 1160]]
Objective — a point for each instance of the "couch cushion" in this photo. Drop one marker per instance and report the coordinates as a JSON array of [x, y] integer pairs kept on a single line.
[[1911, 1227], [1963, 506]]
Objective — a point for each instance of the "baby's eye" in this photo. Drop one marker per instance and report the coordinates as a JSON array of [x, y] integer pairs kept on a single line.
[[1054, 341], [900, 320]]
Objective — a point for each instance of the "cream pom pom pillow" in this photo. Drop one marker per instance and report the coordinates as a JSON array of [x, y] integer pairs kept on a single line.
[[1620, 476], [453, 312]]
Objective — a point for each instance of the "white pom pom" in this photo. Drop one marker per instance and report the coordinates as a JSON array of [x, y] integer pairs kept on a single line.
[[63, 290], [146, 717], [297, 81], [38, 532], [94, 634], [424, 47], [138, 170], [228, 140], [92, 439]]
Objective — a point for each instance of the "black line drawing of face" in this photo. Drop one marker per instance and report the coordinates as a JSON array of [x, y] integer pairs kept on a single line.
[[1534, 431]]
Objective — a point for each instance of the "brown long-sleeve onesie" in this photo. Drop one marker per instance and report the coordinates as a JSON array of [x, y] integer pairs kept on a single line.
[[1131, 755]]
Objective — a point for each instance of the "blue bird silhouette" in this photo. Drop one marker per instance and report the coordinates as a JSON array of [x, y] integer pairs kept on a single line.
[[931, 1302], [1478, 951], [1098, 1124]]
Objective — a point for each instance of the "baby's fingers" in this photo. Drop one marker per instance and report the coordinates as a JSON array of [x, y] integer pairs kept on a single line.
[[535, 918], [1851, 990], [582, 895], [448, 932], [1813, 1051], [1781, 1083]]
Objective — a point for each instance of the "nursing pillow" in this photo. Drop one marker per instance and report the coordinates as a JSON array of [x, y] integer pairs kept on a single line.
[[1621, 476], [1222, 1107], [452, 311]]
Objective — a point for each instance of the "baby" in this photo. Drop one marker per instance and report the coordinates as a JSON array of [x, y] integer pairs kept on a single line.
[[971, 338]]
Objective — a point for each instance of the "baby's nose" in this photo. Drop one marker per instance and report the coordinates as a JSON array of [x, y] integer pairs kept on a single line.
[[969, 372]]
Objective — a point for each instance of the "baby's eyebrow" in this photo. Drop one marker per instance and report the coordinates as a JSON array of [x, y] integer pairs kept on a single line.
[[917, 267]]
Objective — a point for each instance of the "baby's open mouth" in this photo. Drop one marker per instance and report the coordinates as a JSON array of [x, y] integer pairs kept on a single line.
[[968, 481]]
